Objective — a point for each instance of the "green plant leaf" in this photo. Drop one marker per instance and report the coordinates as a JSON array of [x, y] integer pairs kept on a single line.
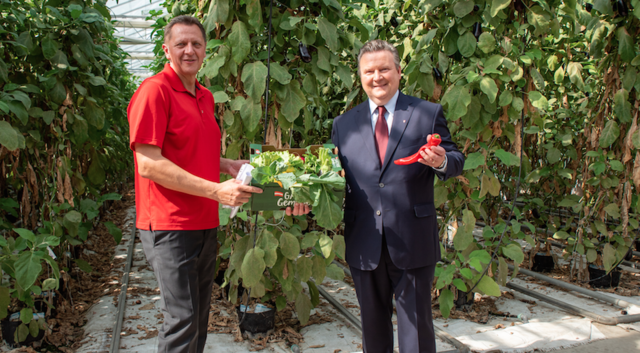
[[613, 210], [254, 11], [609, 134], [497, 5], [304, 267], [252, 267], [514, 252], [8, 136], [96, 173], [49, 48], [538, 100], [507, 158], [309, 240], [467, 44], [218, 13], [303, 308], [460, 284], [626, 48], [83, 265], [335, 272], [489, 287], [59, 60], [622, 107], [254, 77], [289, 246], [26, 315], [319, 269], [251, 113], [608, 257], [339, 245], [446, 302], [474, 160], [326, 245], [456, 99], [291, 101], [280, 74], [239, 40], [487, 42], [114, 231], [329, 32], [27, 269], [463, 8], [489, 87]]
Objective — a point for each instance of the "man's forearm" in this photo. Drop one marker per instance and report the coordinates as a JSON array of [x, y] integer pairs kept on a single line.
[[225, 166], [171, 176]]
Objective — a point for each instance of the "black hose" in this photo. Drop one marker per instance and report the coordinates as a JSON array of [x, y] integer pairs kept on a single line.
[[122, 298]]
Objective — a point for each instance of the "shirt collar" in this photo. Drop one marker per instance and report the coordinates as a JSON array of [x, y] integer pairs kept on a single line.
[[390, 106], [175, 81]]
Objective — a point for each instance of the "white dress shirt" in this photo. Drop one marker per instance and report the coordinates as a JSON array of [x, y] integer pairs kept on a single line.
[[390, 108]]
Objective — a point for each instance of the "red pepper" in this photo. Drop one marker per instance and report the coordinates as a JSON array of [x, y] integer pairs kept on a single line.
[[434, 141]]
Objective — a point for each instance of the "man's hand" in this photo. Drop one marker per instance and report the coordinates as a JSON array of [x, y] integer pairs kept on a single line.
[[433, 157], [298, 209], [233, 193], [231, 167]]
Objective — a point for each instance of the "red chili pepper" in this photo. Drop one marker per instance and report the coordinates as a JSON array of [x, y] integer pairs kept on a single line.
[[434, 141]]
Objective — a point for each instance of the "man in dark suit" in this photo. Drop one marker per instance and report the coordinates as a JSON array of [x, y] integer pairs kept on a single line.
[[391, 231]]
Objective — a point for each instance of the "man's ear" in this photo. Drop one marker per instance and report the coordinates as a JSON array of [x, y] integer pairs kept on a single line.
[[165, 48]]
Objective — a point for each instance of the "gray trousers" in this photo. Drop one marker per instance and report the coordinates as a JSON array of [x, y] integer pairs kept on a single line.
[[412, 289], [184, 263]]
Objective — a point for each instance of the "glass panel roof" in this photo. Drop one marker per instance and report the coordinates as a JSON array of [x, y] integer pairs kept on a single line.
[[135, 31]]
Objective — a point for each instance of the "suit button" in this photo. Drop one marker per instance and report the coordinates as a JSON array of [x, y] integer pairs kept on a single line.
[[378, 212], [381, 185]]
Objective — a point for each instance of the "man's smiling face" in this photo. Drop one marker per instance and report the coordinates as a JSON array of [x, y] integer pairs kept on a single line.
[[185, 48], [379, 75]]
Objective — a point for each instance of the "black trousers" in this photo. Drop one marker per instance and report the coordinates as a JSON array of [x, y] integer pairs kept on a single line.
[[412, 289], [184, 263]]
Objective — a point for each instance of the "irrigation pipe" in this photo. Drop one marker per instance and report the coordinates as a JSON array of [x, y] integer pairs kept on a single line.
[[443, 335], [624, 319], [572, 287], [122, 298]]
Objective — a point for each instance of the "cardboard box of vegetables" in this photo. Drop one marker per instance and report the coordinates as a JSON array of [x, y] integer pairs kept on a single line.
[[306, 175]]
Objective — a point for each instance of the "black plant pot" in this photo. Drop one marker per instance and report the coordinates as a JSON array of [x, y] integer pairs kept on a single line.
[[463, 301], [9, 328], [543, 263], [600, 280], [629, 255], [637, 245], [255, 323]]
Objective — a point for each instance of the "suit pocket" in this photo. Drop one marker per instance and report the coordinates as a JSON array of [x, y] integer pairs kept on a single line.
[[424, 210]]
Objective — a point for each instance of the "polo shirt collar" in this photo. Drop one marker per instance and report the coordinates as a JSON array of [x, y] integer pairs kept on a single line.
[[175, 82]]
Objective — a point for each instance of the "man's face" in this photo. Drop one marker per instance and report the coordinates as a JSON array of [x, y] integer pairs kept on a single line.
[[379, 75], [185, 48]]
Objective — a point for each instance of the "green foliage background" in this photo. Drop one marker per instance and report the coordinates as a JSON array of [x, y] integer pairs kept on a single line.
[[557, 80], [63, 136]]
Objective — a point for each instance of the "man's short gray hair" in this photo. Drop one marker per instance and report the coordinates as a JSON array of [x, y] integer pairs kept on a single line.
[[379, 45], [183, 20]]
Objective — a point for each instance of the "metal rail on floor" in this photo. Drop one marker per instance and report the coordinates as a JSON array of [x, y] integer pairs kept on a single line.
[[443, 335], [122, 298], [572, 287], [624, 319]]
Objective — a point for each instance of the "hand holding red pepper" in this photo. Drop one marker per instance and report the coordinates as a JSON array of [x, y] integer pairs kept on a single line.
[[430, 154]]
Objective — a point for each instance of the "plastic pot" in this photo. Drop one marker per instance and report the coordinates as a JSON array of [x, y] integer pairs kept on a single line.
[[9, 325], [543, 263], [600, 278], [256, 322]]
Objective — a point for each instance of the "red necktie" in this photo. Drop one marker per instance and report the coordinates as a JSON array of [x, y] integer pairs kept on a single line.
[[382, 134]]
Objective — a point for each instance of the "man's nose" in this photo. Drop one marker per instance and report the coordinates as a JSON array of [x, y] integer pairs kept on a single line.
[[189, 49], [377, 75]]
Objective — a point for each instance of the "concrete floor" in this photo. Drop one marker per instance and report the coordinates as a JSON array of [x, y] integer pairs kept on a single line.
[[619, 340]]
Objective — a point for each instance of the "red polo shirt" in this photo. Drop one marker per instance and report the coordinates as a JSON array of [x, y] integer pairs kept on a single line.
[[164, 114]]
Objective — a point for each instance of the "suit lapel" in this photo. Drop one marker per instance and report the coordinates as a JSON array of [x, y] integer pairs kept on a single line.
[[401, 118], [363, 121]]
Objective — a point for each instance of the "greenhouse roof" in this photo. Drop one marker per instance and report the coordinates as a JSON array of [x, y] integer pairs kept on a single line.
[[131, 25]]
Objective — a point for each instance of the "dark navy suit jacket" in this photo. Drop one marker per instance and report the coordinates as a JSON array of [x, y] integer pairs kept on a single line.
[[400, 198]]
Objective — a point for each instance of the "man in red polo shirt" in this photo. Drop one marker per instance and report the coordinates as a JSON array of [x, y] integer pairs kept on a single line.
[[176, 143]]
